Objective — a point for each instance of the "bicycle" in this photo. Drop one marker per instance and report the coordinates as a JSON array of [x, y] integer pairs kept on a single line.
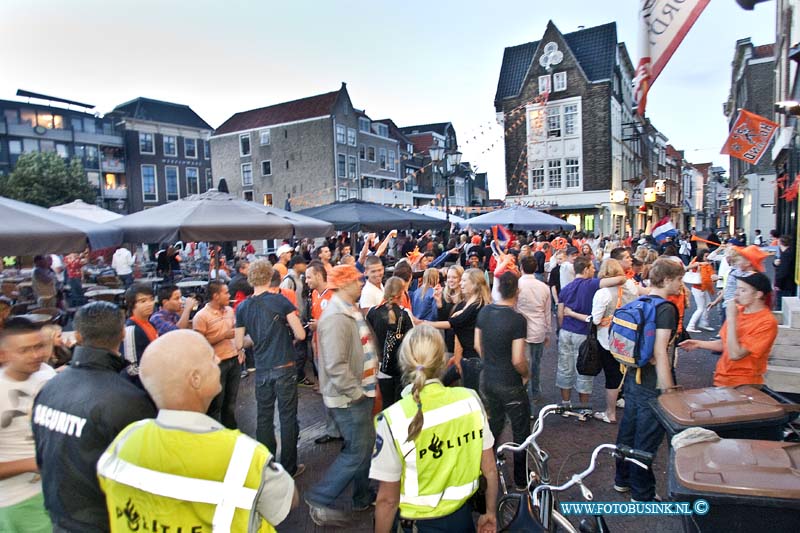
[[535, 510]]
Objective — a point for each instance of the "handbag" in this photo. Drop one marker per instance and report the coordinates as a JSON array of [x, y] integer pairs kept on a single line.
[[589, 359], [390, 345], [692, 277]]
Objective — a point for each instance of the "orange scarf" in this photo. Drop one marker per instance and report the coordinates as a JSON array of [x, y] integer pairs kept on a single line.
[[147, 327]]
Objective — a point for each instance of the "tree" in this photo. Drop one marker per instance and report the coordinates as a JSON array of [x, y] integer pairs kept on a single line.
[[46, 179]]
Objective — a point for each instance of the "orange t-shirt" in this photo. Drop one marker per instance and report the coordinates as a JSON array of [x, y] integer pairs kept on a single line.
[[756, 332], [281, 268], [318, 304]]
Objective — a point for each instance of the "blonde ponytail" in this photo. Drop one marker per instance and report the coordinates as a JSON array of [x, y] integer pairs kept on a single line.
[[421, 358]]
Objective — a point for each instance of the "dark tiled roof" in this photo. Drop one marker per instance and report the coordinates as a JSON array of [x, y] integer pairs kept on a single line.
[[594, 49], [439, 127], [304, 108], [158, 111]]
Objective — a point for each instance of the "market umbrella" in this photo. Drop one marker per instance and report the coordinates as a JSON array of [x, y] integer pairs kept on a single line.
[[27, 229], [435, 213], [89, 212], [216, 216], [517, 218], [358, 215]]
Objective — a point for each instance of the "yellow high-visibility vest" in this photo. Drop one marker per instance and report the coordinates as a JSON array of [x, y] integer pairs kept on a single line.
[[441, 467], [163, 479]]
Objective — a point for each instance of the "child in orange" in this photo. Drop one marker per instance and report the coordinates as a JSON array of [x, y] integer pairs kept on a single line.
[[747, 335]]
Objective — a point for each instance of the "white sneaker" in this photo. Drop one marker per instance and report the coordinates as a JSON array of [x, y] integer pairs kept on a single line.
[[693, 330], [621, 403]]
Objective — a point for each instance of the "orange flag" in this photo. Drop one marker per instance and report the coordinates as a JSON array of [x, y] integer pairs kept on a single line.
[[749, 137]]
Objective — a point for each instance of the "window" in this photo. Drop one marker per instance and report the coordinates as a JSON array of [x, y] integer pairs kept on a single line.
[[382, 158], [382, 129], [287, 164], [263, 137], [171, 180], [206, 150], [537, 176], [247, 195], [391, 160], [145, 143], [351, 136], [90, 126], [340, 134], [190, 148], [11, 116], [149, 179], [544, 84], [61, 149], [342, 163], [351, 167], [553, 123], [47, 146], [570, 119], [31, 145], [170, 145], [362, 152], [371, 154], [15, 147], [266, 168], [268, 199], [554, 173], [363, 124], [560, 81], [247, 174], [209, 179], [192, 180], [77, 124], [244, 144], [572, 168], [27, 117]]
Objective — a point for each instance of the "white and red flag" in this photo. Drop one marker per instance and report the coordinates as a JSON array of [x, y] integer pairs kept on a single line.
[[662, 26]]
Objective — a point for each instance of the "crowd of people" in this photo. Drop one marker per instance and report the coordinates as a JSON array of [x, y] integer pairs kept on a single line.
[[421, 350]]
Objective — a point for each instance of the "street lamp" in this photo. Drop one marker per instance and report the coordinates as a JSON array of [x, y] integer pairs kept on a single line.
[[453, 159]]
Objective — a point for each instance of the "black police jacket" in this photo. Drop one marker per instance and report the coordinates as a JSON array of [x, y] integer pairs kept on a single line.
[[75, 417]]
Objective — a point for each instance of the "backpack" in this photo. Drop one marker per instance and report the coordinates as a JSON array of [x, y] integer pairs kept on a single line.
[[632, 335]]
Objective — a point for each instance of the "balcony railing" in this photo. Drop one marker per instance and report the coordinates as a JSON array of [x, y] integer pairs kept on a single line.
[[119, 192]]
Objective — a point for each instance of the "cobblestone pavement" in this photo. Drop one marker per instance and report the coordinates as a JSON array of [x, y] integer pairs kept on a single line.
[[568, 441]]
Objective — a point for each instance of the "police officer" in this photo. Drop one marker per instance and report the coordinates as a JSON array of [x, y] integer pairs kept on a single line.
[[431, 448], [184, 471]]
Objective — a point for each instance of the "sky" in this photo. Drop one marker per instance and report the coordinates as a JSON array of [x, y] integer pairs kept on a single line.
[[415, 61]]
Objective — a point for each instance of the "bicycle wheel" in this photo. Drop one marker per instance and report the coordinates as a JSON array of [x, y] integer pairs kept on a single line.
[[562, 524], [507, 509]]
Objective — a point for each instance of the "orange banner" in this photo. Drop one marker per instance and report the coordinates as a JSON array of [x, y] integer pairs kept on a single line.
[[749, 137]]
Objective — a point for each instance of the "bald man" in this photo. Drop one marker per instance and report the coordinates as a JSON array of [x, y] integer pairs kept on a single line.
[[184, 470]]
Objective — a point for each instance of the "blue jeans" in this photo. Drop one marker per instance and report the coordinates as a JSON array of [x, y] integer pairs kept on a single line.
[[352, 464], [639, 429], [278, 384], [127, 280], [535, 350], [501, 401], [75, 292]]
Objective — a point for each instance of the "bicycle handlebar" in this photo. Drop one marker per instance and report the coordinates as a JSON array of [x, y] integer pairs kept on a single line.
[[638, 457], [539, 425]]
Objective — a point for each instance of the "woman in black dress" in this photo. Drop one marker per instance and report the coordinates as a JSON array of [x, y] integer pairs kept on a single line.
[[386, 319]]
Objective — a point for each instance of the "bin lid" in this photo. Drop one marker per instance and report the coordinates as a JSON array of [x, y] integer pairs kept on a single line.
[[719, 405], [737, 466]]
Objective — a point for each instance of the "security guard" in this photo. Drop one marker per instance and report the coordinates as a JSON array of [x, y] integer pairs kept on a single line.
[[183, 471], [431, 448]]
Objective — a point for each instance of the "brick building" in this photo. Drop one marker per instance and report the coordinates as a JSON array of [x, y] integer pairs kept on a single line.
[[753, 204], [569, 154], [167, 151], [310, 151]]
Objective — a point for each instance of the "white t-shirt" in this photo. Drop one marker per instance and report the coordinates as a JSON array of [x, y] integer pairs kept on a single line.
[[16, 437], [371, 296], [386, 464]]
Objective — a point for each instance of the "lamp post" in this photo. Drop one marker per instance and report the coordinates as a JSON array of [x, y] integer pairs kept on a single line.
[[451, 160]]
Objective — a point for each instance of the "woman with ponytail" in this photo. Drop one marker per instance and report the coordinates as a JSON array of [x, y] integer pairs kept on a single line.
[[431, 448]]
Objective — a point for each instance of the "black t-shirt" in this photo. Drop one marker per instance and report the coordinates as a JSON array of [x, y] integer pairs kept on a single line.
[[500, 326], [555, 278], [264, 319], [463, 325], [666, 318], [540, 260]]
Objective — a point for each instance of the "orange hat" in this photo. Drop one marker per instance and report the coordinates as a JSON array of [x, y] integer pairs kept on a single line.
[[754, 254], [476, 239], [341, 275]]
